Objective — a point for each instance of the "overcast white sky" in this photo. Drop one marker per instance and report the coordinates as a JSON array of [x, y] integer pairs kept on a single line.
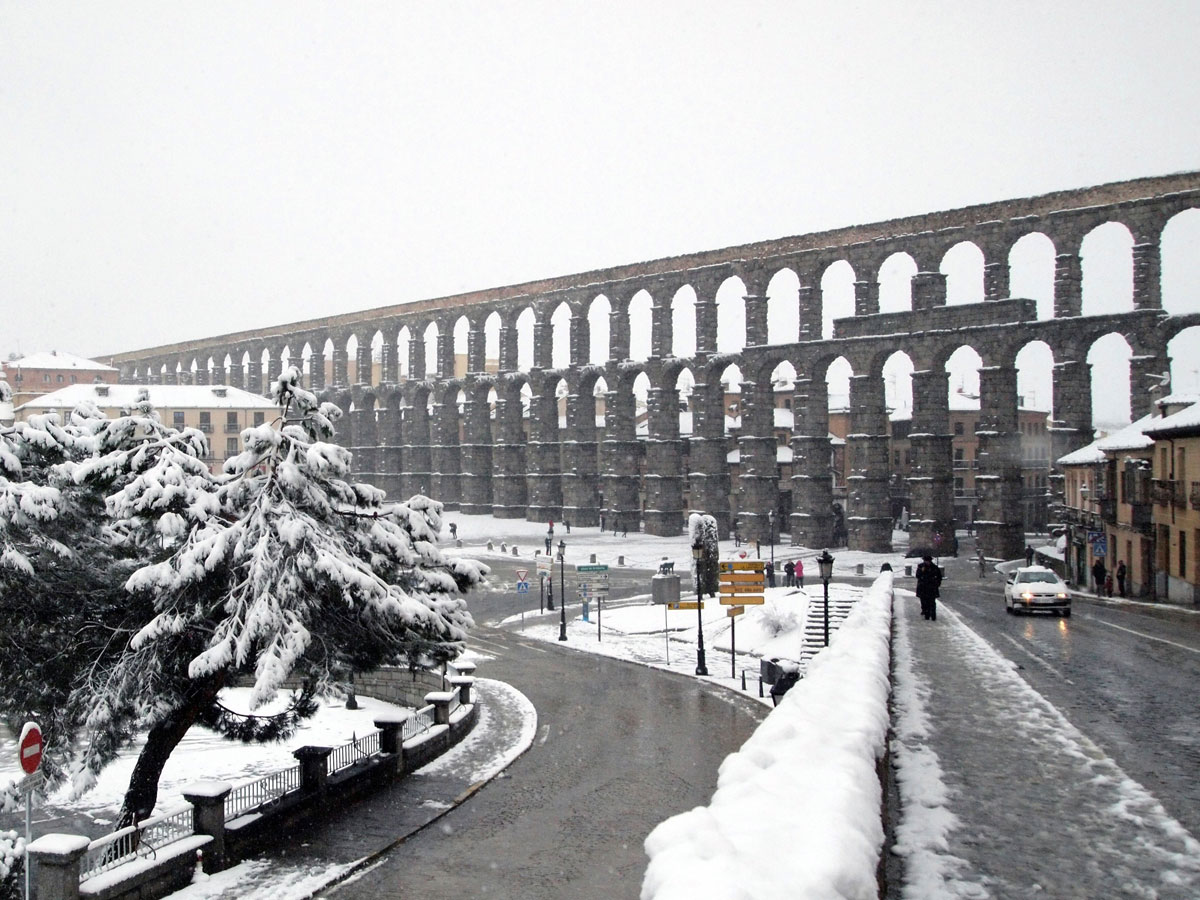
[[171, 171]]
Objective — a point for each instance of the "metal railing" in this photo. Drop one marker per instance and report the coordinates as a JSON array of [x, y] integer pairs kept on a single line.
[[346, 755], [136, 842], [455, 702], [418, 723], [261, 792]]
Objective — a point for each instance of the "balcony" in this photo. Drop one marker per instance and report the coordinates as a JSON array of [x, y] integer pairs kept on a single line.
[[1108, 509], [232, 428], [206, 427], [1194, 496], [1166, 492], [1143, 515]]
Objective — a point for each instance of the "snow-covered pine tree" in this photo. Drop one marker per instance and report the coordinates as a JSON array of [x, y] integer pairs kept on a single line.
[[702, 530], [287, 569]]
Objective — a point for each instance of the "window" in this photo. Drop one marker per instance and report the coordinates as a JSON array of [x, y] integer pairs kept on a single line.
[[1182, 553], [177, 418], [74, 380], [60, 379], [231, 417], [958, 455], [896, 458], [46, 378], [206, 421], [231, 446], [958, 427], [259, 418]]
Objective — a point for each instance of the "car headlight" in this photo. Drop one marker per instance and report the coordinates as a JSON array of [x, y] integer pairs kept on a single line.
[[1025, 595], [1061, 596]]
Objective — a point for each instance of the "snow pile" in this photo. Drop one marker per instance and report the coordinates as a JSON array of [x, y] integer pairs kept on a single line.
[[796, 812]]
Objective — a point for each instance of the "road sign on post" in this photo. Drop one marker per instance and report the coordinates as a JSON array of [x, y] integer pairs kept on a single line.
[[742, 582]]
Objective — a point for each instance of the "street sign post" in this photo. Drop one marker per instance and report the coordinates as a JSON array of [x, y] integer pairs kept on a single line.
[[29, 752], [742, 584], [594, 586]]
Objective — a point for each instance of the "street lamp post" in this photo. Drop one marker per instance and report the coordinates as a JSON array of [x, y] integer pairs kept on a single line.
[[771, 524], [700, 558], [562, 590], [825, 564]]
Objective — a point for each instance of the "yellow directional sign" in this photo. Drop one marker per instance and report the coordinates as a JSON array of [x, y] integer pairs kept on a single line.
[[684, 604], [751, 565], [746, 599], [735, 611], [741, 578]]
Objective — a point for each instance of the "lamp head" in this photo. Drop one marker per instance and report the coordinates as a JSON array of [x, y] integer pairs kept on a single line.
[[825, 564]]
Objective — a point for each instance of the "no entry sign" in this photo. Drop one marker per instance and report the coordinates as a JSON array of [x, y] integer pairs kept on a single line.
[[30, 747]]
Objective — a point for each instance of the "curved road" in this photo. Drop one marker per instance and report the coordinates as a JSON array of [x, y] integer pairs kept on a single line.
[[619, 748]]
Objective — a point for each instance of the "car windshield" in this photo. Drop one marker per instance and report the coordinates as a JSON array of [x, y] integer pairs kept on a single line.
[[1037, 577]]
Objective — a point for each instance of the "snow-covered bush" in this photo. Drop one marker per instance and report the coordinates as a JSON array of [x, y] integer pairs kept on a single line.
[[776, 619], [12, 865]]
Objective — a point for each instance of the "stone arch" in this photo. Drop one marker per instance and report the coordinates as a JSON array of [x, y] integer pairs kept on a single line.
[[1106, 260], [963, 266], [1111, 394], [461, 344], [561, 354], [492, 327], [1180, 254], [895, 277], [404, 345], [641, 332], [1031, 270], [783, 307], [525, 323]]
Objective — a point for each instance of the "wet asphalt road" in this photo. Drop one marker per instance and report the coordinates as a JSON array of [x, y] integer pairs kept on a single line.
[[1125, 675], [619, 748]]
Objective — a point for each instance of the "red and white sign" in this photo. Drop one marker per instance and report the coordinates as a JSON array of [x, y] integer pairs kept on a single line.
[[522, 574], [30, 751]]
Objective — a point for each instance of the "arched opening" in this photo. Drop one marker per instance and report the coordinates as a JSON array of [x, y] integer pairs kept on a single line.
[[599, 347], [731, 316], [837, 295], [963, 267], [525, 323], [462, 330], [685, 387], [641, 326], [1184, 351], [963, 367], [1031, 272], [433, 362], [1035, 377], [1179, 251], [641, 405], [376, 374], [306, 365], [897, 386], [895, 283], [783, 308], [683, 323], [352, 360], [1109, 358], [1106, 259], [491, 342], [560, 337]]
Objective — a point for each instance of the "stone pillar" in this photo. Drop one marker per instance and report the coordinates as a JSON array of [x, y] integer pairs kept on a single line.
[[313, 768], [580, 462], [445, 350], [476, 453], [931, 478], [341, 375], [1068, 285], [237, 374], [756, 318], [810, 310], [508, 348], [56, 860], [391, 727], [758, 469], [389, 368], [416, 358], [390, 455], [1071, 422], [708, 466], [509, 491], [462, 684], [664, 455], [445, 454], [363, 442], [363, 365], [254, 374], [208, 817], [868, 493], [618, 330], [440, 700], [995, 279], [476, 350], [866, 298], [1147, 276], [1145, 373], [1000, 524], [581, 339], [218, 375], [316, 371], [543, 341], [543, 457], [416, 448], [812, 481], [662, 339], [706, 316], [928, 290], [621, 454], [201, 376]]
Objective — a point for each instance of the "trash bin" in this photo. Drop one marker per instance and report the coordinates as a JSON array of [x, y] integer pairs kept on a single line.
[[787, 678], [586, 609], [768, 670]]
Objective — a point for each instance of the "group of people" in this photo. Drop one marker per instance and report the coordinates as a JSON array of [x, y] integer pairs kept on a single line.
[[1102, 579]]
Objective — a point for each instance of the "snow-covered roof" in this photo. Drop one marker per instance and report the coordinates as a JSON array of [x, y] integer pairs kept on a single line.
[[163, 396], [1185, 419], [57, 359], [1131, 437]]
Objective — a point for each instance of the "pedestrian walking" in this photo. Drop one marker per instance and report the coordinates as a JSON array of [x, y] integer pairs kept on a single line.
[[1098, 572], [982, 563], [1108, 584], [929, 580], [453, 531], [737, 538], [1028, 555], [1121, 572], [567, 525], [549, 541], [551, 528], [800, 572], [789, 574], [770, 575], [602, 523]]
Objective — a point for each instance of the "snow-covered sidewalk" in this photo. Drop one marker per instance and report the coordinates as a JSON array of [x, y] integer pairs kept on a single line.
[[988, 818]]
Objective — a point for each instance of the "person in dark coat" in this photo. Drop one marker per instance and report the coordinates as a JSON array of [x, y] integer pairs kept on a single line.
[[1029, 555], [770, 575], [1121, 572], [789, 573], [1098, 572], [929, 580]]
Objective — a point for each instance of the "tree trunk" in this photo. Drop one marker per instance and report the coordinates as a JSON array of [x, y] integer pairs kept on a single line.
[[142, 793]]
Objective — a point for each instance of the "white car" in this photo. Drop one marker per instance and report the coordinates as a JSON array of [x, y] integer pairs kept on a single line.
[[1032, 588]]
